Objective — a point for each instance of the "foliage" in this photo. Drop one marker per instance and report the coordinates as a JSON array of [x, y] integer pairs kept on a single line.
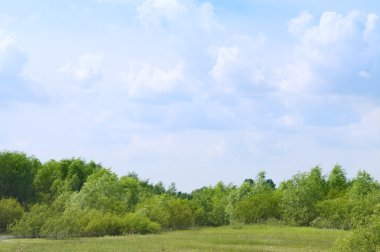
[[337, 182], [101, 191], [135, 223], [214, 202], [257, 208], [75, 198], [16, 175], [362, 185], [169, 212], [333, 213], [180, 214], [10, 211], [55, 177], [31, 223], [360, 240], [301, 195]]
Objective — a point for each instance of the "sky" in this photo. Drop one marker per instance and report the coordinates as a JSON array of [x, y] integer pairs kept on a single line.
[[190, 91]]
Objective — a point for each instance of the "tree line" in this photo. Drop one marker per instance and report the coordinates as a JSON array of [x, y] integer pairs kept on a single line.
[[73, 198]]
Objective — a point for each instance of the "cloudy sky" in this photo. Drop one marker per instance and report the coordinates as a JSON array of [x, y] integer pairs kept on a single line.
[[193, 92]]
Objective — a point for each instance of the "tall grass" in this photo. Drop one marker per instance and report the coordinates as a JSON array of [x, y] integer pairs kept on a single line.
[[247, 238]]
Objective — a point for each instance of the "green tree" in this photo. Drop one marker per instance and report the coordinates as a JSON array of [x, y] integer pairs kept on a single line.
[[48, 181], [101, 191], [214, 202], [16, 175], [336, 182], [132, 189], [300, 195], [362, 184], [55, 177]]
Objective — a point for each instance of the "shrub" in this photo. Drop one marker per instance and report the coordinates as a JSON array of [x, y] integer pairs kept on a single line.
[[135, 223], [365, 237], [82, 222], [256, 208], [76, 222], [362, 208], [30, 224], [101, 224], [181, 215], [333, 213], [10, 211], [359, 240], [155, 209]]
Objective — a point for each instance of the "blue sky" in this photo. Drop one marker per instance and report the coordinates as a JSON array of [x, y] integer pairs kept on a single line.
[[193, 92]]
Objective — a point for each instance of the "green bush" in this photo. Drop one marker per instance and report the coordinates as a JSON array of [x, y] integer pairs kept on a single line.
[[256, 208], [135, 223], [10, 211], [155, 208], [31, 223], [362, 208], [181, 215], [359, 240], [169, 212], [68, 224], [101, 224], [365, 237], [82, 222], [76, 222], [333, 213]]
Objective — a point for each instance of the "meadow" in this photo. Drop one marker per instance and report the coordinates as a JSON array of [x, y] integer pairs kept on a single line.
[[226, 238]]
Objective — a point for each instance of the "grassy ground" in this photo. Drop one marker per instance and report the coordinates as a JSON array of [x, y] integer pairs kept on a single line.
[[249, 238]]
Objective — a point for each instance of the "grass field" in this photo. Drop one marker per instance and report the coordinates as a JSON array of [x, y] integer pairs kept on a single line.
[[248, 238]]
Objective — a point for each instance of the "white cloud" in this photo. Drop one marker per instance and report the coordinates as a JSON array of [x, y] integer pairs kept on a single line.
[[157, 11], [368, 129], [337, 35], [173, 12], [142, 79], [179, 15], [333, 27], [119, 1], [289, 121], [370, 26], [207, 17], [295, 78], [87, 67], [241, 63], [299, 24], [12, 57], [364, 74], [338, 46], [227, 59]]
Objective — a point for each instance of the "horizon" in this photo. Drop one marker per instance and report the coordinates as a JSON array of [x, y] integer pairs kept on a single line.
[[193, 92]]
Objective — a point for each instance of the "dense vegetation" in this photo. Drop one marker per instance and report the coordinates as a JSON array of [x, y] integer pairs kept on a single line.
[[73, 198]]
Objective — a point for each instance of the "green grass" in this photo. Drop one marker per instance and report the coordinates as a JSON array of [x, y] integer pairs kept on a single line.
[[249, 238]]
